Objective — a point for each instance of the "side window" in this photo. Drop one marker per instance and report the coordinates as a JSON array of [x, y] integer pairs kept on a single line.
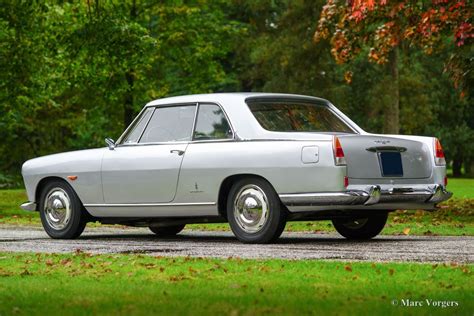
[[136, 131], [211, 123], [170, 124]]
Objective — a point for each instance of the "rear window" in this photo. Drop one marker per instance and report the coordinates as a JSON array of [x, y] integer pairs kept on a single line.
[[290, 116]]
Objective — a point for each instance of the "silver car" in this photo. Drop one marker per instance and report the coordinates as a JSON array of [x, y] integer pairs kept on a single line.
[[254, 160]]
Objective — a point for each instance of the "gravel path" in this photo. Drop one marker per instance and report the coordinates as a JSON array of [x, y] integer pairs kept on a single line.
[[223, 244]]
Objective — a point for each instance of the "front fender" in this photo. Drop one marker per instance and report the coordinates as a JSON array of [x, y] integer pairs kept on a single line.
[[85, 164]]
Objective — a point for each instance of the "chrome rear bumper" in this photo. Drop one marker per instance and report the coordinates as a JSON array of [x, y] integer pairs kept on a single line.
[[29, 206], [370, 196]]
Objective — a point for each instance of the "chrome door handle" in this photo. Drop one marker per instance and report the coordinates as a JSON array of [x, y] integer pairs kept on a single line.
[[177, 151]]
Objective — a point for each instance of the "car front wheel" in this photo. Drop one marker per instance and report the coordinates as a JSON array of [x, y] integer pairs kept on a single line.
[[61, 211], [254, 211], [361, 228]]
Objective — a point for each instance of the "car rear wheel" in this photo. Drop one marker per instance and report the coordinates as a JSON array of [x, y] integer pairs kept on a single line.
[[254, 211], [167, 231], [61, 211], [361, 228]]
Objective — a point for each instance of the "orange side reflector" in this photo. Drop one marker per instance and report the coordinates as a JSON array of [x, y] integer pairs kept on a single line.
[[72, 178]]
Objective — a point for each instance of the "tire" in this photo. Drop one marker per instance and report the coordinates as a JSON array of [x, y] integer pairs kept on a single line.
[[167, 231], [362, 228], [254, 211], [61, 211]]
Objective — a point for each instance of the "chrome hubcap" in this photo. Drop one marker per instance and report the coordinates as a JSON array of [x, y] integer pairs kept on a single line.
[[57, 208], [251, 208], [356, 224]]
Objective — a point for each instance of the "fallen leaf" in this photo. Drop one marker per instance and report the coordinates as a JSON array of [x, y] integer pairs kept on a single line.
[[406, 231], [348, 268]]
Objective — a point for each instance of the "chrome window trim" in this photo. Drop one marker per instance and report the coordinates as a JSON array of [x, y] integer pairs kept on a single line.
[[147, 106], [171, 106], [146, 125], [194, 126], [149, 204], [349, 124], [226, 117], [326, 104], [129, 127]]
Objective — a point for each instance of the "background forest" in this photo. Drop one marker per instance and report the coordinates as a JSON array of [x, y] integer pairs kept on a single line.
[[75, 72]]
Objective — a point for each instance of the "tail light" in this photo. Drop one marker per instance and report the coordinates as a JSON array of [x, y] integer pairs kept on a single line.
[[439, 153], [346, 181], [445, 181], [339, 157]]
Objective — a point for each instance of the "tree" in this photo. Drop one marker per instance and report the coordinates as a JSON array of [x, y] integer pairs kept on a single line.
[[75, 72], [380, 27]]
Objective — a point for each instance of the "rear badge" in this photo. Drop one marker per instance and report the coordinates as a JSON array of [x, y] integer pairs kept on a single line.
[[383, 142]]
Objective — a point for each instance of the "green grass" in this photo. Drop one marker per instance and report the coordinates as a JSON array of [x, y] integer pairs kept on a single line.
[[462, 188], [456, 219], [82, 284]]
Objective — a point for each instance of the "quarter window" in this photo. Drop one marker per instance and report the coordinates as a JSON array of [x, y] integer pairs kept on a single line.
[[211, 123], [170, 124], [136, 130]]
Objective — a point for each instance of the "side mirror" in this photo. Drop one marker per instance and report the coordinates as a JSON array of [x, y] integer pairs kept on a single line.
[[110, 143]]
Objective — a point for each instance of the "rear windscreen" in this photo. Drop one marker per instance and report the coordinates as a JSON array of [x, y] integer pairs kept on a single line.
[[297, 117]]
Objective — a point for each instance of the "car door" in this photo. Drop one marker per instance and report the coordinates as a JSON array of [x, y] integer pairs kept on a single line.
[[144, 168]]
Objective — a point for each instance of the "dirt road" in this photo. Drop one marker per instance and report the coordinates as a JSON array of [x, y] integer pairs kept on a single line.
[[223, 244]]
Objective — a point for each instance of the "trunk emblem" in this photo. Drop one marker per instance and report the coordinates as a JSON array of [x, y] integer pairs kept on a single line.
[[383, 142]]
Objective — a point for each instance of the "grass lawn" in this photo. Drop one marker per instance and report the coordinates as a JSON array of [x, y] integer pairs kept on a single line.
[[462, 188], [456, 219], [80, 283]]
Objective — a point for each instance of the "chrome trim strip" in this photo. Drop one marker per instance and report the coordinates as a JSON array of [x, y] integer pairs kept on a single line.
[[135, 120], [151, 204], [146, 124], [324, 198], [386, 148], [29, 206], [226, 117]]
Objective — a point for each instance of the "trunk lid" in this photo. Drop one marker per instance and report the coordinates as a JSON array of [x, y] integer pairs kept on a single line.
[[375, 157]]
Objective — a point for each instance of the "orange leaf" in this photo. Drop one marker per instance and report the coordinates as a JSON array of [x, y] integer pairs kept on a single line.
[[348, 76], [406, 231]]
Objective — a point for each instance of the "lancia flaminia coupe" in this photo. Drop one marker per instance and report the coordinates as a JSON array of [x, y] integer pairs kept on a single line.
[[254, 160]]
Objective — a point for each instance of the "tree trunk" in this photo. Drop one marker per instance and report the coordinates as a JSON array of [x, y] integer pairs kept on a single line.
[[392, 110], [469, 167], [457, 164], [128, 112]]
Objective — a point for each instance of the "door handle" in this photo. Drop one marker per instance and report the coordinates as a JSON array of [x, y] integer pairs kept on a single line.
[[177, 151]]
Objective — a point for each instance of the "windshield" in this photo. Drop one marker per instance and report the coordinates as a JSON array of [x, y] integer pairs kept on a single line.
[[291, 116]]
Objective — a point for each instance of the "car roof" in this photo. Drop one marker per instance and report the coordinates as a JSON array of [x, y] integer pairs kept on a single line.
[[234, 96], [241, 119]]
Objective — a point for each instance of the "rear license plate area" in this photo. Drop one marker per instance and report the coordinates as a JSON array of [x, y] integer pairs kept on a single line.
[[391, 164]]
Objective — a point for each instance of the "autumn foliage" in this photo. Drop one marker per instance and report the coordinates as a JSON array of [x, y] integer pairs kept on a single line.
[[384, 24]]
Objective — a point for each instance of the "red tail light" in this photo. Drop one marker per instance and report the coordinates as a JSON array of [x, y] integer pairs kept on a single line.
[[439, 153], [346, 181], [339, 157], [445, 181]]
